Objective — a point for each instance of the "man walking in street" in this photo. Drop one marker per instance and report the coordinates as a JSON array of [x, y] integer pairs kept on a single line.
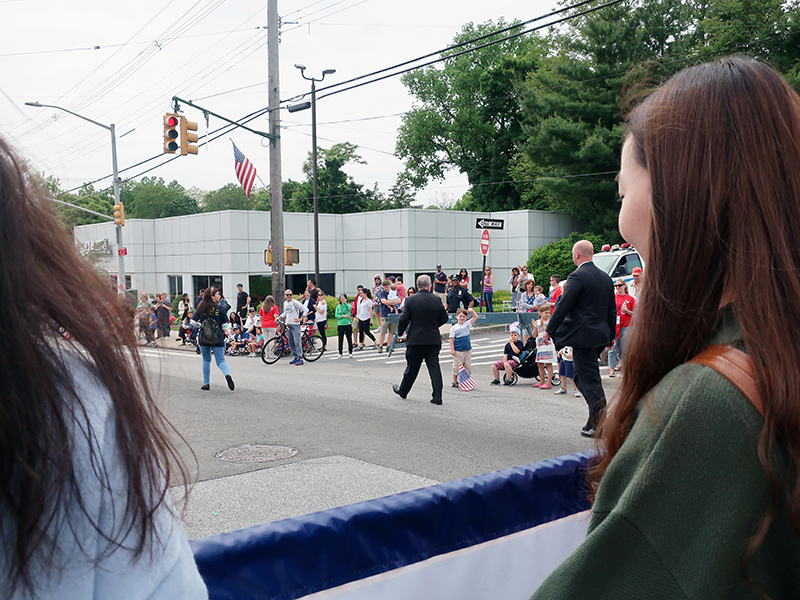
[[294, 311], [423, 314], [586, 320]]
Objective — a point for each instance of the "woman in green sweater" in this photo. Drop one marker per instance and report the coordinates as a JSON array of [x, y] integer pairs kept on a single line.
[[696, 492], [344, 326]]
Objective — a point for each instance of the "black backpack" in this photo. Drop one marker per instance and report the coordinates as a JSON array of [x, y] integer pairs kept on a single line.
[[210, 333]]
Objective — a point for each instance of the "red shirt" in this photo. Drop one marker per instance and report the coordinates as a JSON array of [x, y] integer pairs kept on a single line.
[[268, 318], [624, 320], [556, 293]]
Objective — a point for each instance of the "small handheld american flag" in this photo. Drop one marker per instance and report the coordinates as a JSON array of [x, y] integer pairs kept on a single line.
[[465, 382], [245, 171]]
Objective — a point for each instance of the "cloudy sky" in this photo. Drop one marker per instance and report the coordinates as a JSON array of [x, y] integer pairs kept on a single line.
[[121, 62]]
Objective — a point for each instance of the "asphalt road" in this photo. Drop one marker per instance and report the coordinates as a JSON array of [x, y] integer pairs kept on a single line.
[[355, 439]]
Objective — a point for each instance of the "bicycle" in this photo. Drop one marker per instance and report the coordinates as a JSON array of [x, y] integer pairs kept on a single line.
[[278, 346]]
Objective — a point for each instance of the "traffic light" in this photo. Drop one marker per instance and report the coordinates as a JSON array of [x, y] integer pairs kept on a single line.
[[291, 256], [119, 214], [187, 137], [171, 121]]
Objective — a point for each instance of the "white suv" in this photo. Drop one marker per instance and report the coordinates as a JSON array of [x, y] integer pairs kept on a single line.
[[618, 261]]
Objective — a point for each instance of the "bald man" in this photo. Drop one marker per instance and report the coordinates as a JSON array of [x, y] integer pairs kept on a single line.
[[586, 319]]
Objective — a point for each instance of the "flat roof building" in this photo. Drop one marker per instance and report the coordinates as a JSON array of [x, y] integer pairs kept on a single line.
[[188, 253]]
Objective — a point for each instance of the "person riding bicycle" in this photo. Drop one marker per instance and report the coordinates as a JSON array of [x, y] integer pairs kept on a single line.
[[294, 312]]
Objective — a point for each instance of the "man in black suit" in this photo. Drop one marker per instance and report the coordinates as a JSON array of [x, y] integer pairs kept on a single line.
[[423, 314], [586, 319]]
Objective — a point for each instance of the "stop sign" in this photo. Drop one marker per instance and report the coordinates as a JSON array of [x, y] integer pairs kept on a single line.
[[485, 242]]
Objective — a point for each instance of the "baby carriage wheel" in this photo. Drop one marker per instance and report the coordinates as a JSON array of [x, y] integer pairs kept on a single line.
[[513, 379]]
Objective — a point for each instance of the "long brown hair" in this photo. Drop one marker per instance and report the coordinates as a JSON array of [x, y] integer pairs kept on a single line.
[[721, 142], [47, 330], [208, 302]]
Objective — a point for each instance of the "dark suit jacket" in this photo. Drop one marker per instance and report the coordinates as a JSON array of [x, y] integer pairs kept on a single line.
[[424, 313], [586, 315]]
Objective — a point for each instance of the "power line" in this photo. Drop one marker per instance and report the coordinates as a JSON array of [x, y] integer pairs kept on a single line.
[[456, 46], [480, 47], [459, 45]]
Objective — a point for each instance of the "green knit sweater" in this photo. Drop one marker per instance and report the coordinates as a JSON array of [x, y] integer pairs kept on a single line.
[[681, 500]]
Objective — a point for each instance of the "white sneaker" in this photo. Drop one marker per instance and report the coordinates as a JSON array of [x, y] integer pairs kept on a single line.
[[340, 356], [350, 355], [577, 394]]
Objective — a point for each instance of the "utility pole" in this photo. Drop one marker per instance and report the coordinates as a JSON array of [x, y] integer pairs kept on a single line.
[[275, 184]]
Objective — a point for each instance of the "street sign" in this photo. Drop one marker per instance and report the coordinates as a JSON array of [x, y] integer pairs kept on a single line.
[[485, 242], [489, 223], [122, 251]]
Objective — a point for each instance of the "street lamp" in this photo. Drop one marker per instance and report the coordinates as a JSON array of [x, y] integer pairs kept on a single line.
[[314, 155], [120, 246]]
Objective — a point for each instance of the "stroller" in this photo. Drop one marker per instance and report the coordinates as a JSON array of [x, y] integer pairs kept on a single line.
[[528, 368]]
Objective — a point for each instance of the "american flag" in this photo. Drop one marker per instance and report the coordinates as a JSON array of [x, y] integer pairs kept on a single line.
[[245, 170], [465, 382]]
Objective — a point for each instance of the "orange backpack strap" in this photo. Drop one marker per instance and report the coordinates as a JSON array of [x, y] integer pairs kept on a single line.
[[735, 366]]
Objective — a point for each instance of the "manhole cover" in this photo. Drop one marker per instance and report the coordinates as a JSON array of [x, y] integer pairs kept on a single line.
[[256, 453]]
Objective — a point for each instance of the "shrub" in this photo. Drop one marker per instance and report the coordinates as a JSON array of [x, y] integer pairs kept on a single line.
[[556, 258]]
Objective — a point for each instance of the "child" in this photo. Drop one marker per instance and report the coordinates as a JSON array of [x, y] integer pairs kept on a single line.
[[393, 295], [545, 351], [511, 358], [255, 345], [460, 345], [567, 371], [153, 325], [344, 325], [539, 300], [233, 337]]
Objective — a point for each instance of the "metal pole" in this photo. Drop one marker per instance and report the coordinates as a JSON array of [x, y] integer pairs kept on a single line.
[[275, 186], [314, 171], [120, 245], [483, 274]]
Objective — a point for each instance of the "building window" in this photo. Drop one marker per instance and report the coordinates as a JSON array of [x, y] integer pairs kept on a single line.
[[201, 282], [127, 281], [298, 283], [175, 286]]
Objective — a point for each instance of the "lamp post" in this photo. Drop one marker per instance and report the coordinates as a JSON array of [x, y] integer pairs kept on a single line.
[[314, 158], [121, 273]]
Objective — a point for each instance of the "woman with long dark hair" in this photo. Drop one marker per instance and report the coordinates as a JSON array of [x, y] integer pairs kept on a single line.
[[698, 493], [209, 309], [85, 454]]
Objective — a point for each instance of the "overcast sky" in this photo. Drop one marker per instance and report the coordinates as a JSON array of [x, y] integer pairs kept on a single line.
[[213, 52]]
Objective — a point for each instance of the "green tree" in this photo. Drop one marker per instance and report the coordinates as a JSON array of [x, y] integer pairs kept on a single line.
[[766, 29], [337, 192], [231, 196], [556, 258], [467, 115], [571, 106], [151, 198]]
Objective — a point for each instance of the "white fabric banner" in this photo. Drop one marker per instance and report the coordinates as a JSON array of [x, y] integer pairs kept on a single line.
[[510, 567]]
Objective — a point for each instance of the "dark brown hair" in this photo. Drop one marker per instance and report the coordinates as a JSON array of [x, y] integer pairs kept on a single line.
[[208, 302], [47, 330], [721, 142]]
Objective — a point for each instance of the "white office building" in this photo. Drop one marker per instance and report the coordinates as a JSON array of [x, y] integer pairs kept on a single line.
[[188, 253]]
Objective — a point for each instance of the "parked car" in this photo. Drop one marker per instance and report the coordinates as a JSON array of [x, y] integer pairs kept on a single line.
[[618, 261]]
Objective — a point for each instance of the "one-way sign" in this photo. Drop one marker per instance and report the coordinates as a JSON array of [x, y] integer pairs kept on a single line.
[[489, 223]]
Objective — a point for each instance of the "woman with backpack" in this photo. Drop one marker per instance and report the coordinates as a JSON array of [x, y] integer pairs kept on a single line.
[[211, 338]]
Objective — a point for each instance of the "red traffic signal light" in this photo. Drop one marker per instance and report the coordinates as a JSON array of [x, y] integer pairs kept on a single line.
[[171, 122]]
